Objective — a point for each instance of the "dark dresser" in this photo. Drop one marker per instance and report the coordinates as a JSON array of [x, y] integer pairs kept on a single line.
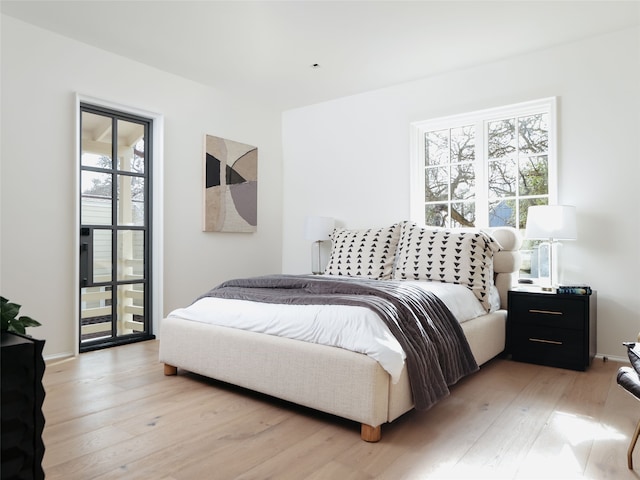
[[22, 397], [552, 329]]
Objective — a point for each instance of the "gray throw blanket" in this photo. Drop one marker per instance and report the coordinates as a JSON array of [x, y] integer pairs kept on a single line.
[[438, 354]]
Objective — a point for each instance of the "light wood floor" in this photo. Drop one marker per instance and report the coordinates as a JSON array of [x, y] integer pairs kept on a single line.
[[113, 414]]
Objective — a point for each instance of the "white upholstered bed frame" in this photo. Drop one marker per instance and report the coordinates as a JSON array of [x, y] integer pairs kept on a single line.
[[329, 379]]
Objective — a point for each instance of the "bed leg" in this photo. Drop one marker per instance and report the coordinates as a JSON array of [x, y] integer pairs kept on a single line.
[[370, 434], [170, 369]]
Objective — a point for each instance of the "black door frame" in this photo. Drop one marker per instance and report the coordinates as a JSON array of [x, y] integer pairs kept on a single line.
[[86, 232]]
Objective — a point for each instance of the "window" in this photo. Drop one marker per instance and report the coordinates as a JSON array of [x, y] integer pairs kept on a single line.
[[485, 169]]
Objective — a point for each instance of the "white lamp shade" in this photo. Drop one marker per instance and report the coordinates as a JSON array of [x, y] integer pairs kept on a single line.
[[557, 222], [318, 228]]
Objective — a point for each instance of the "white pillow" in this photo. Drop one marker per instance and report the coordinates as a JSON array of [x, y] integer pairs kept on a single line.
[[364, 253], [462, 256]]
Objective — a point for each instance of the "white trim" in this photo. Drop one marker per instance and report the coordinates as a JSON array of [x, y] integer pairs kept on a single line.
[[416, 172], [612, 358], [495, 113], [553, 151], [75, 235], [58, 358], [157, 246]]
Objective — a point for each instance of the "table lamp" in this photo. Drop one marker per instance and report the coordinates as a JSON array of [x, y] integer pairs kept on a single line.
[[551, 223], [318, 230]]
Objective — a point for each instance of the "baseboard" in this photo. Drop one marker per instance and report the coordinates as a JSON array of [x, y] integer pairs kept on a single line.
[[612, 358], [58, 357]]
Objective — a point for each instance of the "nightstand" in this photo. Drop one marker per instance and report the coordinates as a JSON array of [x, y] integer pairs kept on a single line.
[[552, 329]]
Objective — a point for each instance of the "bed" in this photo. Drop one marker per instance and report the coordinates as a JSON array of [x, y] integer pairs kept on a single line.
[[332, 378]]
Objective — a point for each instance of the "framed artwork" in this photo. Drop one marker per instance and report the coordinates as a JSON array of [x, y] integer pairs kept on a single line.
[[231, 186]]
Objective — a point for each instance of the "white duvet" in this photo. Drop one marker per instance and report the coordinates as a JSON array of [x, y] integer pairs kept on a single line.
[[353, 328]]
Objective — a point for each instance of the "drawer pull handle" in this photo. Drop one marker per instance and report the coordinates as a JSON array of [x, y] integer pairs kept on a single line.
[[540, 340], [548, 312]]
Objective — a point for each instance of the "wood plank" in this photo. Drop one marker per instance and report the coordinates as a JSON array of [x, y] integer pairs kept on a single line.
[[619, 416], [510, 437], [201, 453], [148, 437], [316, 449], [442, 435], [114, 414], [564, 444]]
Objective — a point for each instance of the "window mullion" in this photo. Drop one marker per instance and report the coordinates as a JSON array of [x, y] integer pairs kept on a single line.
[[482, 172], [417, 185]]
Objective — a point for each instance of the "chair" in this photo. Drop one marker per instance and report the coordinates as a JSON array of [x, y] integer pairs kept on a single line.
[[629, 380]]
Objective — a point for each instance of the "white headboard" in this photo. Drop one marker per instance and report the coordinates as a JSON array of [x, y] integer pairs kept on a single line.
[[506, 262]]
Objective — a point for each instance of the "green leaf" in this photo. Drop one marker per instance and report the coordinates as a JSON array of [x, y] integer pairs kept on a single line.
[[16, 328], [10, 310], [29, 322], [10, 320]]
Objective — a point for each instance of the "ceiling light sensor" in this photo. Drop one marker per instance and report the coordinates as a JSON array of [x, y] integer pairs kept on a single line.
[[315, 66]]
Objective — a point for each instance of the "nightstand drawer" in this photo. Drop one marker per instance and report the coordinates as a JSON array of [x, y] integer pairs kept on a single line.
[[550, 310], [556, 347]]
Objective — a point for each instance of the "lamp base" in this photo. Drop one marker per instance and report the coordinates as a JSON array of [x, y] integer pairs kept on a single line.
[[316, 258]]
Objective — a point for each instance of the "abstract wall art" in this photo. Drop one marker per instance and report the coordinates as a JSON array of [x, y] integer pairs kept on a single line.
[[231, 186]]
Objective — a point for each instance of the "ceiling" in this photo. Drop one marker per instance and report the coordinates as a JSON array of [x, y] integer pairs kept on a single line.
[[265, 50]]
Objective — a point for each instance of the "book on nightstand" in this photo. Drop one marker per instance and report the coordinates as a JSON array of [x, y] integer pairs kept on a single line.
[[574, 290]]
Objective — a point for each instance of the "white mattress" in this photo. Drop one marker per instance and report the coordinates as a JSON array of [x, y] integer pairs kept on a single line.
[[353, 328]]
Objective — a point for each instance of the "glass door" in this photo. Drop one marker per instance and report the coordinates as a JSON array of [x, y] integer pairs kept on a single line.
[[114, 232]]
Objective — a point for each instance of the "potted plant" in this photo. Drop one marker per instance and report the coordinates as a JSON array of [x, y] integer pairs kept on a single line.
[[10, 320]]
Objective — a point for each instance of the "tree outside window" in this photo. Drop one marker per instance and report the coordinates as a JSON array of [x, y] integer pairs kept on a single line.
[[485, 169]]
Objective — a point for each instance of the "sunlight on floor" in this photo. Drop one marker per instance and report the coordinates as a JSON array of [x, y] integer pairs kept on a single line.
[[564, 446], [577, 429], [561, 450]]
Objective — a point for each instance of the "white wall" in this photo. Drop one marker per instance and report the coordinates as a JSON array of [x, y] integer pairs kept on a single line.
[[349, 159], [41, 74]]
